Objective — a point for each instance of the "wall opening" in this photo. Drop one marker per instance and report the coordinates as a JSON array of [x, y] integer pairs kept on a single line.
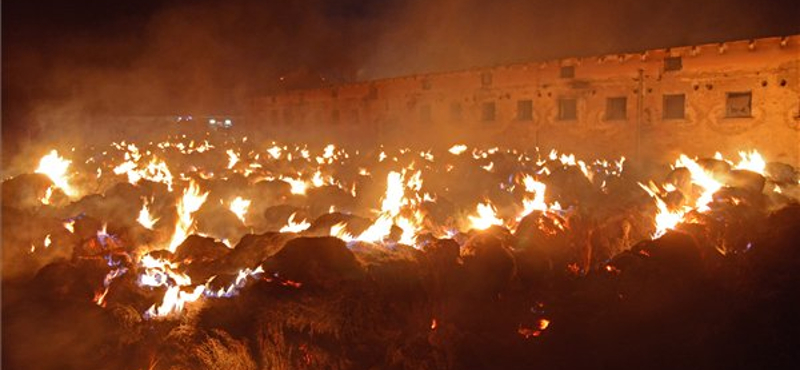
[[525, 110], [567, 72], [673, 64], [567, 109], [738, 104], [674, 106], [616, 108]]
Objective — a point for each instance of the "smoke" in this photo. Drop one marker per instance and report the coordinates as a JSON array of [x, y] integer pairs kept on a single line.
[[74, 68]]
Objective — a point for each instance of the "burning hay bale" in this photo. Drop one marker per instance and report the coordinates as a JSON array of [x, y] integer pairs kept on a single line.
[[395, 259]]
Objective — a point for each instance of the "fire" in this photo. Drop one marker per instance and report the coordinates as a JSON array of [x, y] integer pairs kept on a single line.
[[70, 225], [174, 301], [145, 217], [486, 217], [665, 218], [191, 201], [701, 178], [47, 195], [339, 231], [297, 186], [295, 227], [458, 149], [233, 158], [47, 241], [751, 161], [55, 167], [536, 203], [239, 207]]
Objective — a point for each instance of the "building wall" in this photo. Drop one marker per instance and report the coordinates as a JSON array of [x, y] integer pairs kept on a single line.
[[446, 108]]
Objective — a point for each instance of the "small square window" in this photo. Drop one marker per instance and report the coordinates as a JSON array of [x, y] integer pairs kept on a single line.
[[455, 111], [486, 79], [425, 113], [524, 110], [616, 108], [738, 104], [567, 72], [674, 106], [567, 109], [487, 111], [673, 64]]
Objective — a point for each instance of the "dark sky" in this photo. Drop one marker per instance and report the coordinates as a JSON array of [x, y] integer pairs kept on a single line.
[[93, 57]]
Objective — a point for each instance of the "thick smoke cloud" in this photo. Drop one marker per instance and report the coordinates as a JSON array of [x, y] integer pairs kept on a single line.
[[67, 66]]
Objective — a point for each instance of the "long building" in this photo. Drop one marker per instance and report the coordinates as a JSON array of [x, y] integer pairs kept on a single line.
[[651, 105]]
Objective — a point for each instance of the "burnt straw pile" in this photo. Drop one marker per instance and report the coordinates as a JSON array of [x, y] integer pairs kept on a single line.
[[221, 253]]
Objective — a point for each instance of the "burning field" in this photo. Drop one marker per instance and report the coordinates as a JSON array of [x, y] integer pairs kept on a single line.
[[219, 252]]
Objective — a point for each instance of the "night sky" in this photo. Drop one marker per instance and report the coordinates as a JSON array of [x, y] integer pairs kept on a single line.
[[150, 57]]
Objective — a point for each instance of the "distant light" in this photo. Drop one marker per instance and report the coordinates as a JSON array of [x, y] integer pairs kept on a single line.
[[228, 123], [212, 121]]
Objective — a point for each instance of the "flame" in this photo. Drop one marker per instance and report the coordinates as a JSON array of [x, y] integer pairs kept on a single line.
[[295, 227], [536, 203], [297, 186], [55, 167], [239, 207], [701, 178], [47, 195], [487, 217], [752, 161], [174, 300], [665, 218], [233, 158], [145, 217], [339, 231], [156, 170], [47, 241], [70, 226], [458, 149], [191, 201]]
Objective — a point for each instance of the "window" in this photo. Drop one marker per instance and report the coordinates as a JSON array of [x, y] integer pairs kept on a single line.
[[425, 113], [486, 79], [567, 72], [455, 111], [426, 84], [673, 64], [737, 104], [567, 109], [487, 111], [524, 110], [674, 106], [616, 108]]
